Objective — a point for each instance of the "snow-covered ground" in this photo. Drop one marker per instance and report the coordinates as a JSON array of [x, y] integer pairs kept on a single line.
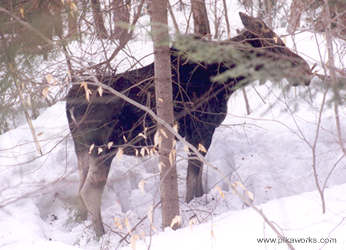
[[269, 152], [266, 151]]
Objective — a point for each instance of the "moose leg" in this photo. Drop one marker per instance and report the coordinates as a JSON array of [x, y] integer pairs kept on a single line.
[[201, 138], [194, 186], [83, 167], [92, 190]]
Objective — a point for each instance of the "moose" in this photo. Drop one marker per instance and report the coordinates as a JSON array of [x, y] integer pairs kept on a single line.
[[101, 126]]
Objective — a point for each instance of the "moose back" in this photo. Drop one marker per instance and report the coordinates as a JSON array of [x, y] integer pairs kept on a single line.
[[101, 126]]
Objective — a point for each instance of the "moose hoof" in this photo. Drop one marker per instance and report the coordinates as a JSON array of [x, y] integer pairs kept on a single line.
[[190, 194], [99, 230], [81, 215]]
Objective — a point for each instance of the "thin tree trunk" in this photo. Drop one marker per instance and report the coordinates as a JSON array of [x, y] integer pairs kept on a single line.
[[27, 116], [228, 26], [269, 12], [121, 16], [98, 19], [72, 23], [175, 23], [296, 9], [200, 18], [164, 109], [332, 73]]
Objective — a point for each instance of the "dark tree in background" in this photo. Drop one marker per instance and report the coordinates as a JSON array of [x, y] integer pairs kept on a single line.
[[200, 17], [121, 17], [98, 19]]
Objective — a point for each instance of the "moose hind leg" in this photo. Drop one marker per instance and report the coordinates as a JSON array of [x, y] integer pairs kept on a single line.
[[91, 192], [194, 187]]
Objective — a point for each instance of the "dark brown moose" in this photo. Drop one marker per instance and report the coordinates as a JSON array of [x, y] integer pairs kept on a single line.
[[104, 125]]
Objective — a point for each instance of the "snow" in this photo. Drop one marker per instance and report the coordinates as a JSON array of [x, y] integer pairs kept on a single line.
[[242, 229], [265, 151], [268, 152]]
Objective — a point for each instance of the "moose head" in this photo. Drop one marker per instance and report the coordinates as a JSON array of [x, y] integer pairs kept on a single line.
[[258, 35]]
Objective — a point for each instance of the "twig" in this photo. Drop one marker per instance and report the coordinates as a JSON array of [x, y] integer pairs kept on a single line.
[[313, 148], [331, 171], [261, 213], [135, 226], [28, 120], [27, 116], [246, 101], [176, 26], [338, 127]]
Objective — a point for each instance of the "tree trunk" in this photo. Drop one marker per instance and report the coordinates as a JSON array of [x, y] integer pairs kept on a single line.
[[121, 16], [200, 17], [72, 22], [98, 19], [164, 109], [269, 12], [297, 6]]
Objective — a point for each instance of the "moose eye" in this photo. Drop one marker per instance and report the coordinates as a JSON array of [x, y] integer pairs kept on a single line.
[[259, 67], [259, 25]]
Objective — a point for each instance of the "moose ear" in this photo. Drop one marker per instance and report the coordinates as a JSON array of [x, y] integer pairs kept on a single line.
[[259, 28], [244, 19], [253, 24]]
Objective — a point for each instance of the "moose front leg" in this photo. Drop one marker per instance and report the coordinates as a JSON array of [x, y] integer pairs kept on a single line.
[[200, 138], [194, 187], [83, 167], [91, 192]]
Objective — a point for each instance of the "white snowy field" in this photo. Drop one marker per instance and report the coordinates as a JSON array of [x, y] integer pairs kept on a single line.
[[268, 151]]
